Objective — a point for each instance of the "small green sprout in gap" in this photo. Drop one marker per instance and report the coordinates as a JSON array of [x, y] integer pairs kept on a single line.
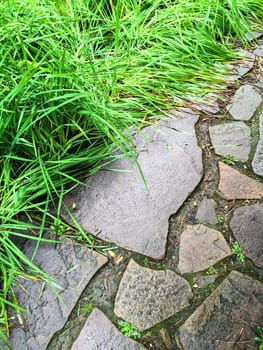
[[129, 330], [259, 337], [229, 160], [87, 308], [74, 206], [211, 271], [59, 227], [146, 262], [236, 250], [219, 218]]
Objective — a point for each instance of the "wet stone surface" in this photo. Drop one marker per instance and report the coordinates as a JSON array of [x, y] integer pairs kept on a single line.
[[227, 318], [71, 267], [117, 207], [147, 297], [200, 248], [231, 139], [247, 227], [99, 333]]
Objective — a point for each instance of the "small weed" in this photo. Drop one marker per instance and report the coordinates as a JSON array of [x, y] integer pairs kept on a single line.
[[259, 337], [129, 330], [236, 250], [160, 266], [229, 160], [87, 308], [59, 227], [146, 262], [220, 218], [211, 271]]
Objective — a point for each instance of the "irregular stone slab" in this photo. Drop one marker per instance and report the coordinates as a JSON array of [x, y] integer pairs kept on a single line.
[[231, 78], [254, 35], [206, 211], [200, 248], [247, 227], [116, 206], [71, 268], [245, 102], [257, 163], [234, 185], [99, 333], [227, 318], [247, 55], [259, 51], [146, 297], [211, 107], [231, 139], [244, 68]]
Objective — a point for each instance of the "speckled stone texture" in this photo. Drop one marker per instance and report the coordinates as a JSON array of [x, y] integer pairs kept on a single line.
[[146, 297], [226, 320], [99, 333], [245, 102], [234, 185], [116, 206], [71, 268], [200, 248], [247, 227], [257, 163], [231, 139]]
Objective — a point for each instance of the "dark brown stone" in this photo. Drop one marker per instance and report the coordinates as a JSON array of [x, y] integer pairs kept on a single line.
[[227, 318]]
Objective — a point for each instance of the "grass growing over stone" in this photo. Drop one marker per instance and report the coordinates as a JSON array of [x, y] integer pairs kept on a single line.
[[76, 76]]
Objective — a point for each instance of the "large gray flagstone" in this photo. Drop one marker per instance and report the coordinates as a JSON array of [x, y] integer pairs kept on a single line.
[[99, 333], [116, 206], [71, 267]]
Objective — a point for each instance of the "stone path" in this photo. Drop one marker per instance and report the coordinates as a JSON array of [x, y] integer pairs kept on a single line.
[[174, 275]]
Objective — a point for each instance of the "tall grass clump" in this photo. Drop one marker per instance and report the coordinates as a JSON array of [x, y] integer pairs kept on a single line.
[[75, 76]]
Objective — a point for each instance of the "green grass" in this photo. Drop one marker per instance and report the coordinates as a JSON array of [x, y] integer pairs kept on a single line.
[[129, 330], [259, 337], [76, 77], [237, 251]]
